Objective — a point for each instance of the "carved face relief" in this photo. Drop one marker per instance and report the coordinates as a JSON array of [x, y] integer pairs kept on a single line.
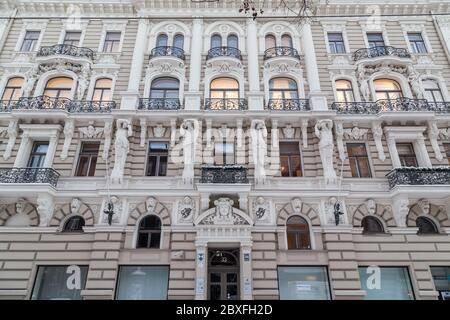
[[150, 204], [20, 205], [224, 207], [296, 204], [424, 206], [371, 206], [289, 132], [159, 131], [75, 205]]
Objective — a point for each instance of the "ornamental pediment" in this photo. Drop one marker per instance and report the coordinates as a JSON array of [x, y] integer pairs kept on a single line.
[[223, 214]]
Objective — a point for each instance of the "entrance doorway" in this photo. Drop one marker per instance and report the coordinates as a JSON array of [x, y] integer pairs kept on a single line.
[[223, 274]]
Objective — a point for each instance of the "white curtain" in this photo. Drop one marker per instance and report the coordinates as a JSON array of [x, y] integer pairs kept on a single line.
[[142, 283]]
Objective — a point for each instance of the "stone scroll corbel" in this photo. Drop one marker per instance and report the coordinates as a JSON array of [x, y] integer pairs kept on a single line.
[[69, 128], [377, 132], [433, 134], [11, 132]]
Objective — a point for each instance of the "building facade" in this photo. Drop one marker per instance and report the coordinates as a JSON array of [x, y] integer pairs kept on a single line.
[[173, 150]]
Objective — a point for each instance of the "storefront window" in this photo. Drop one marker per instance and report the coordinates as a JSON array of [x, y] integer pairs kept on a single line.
[[391, 283], [303, 283], [59, 282], [441, 278], [142, 283]]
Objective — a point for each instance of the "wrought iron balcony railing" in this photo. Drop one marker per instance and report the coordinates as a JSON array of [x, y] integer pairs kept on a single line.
[[281, 52], [288, 104], [159, 104], [7, 105], [419, 176], [440, 107], [50, 103], [224, 174], [381, 51], [224, 52], [29, 175], [225, 104], [67, 50], [164, 51], [400, 104]]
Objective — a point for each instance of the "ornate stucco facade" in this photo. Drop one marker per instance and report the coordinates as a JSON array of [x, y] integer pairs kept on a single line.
[[219, 92]]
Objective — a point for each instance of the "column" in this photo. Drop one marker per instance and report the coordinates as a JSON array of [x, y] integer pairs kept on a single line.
[[200, 271], [255, 96], [246, 271], [424, 157], [317, 98], [394, 153], [193, 96], [443, 23], [131, 96], [48, 162], [24, 149]]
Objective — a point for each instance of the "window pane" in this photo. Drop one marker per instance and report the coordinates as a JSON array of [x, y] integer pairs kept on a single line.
[[13, 89], [395, 284], [303, 283], [178, 41], [386, 84], [216, 41], [157, 158], [441, 278], [161, 41], [286, 41], [224, 83], [232, 41], [30, 41], [72, 38], [270, 41], [142, 283], [51, 283]]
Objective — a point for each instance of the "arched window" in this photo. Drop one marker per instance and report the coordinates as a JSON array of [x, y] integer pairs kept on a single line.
[[271, 41], [286, 41], [371, 225], [344, 91], [433, 92], [161, 40], [149, 234], [224, 88], [165, 89], [12, 90], [387, 89], [216, 41], [297, 230], [74, 224], [102, 90], [59, 87], [232, 41], [178, 41], [426, 226], [283, 88]]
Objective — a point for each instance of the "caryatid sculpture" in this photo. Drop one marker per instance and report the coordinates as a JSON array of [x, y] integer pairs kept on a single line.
[[323, 130], [259, 149], [189, 131], [122, 147]]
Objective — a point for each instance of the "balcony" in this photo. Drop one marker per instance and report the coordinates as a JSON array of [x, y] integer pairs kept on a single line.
[[419, 176], [65, 104], [167, 51], [288, 105], [382, 51], [159, 104], [225, 104], [281, 52], [66, 50], [224, 174], [224, 52], [389, 105], [29, 175]]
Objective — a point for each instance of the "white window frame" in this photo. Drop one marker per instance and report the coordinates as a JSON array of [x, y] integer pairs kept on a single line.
[[37, 25], [336, 27], [369, 157], [94, 79], [416, 28], [300, 149], [382, 30], [112, 26], [68, 28]]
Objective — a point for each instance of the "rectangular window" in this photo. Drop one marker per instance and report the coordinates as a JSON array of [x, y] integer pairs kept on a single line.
[[336, 42], [395, 283], [290, 161], [359, 160], [441, 278], [416, 42], [87, 160], [158, 154], [30, 41], [375, 40], [112, 41], [38, 153], [72, 38], [142, 283], [447, 151], [303, 283], [53, 283], [224, 153], [406, 154]]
